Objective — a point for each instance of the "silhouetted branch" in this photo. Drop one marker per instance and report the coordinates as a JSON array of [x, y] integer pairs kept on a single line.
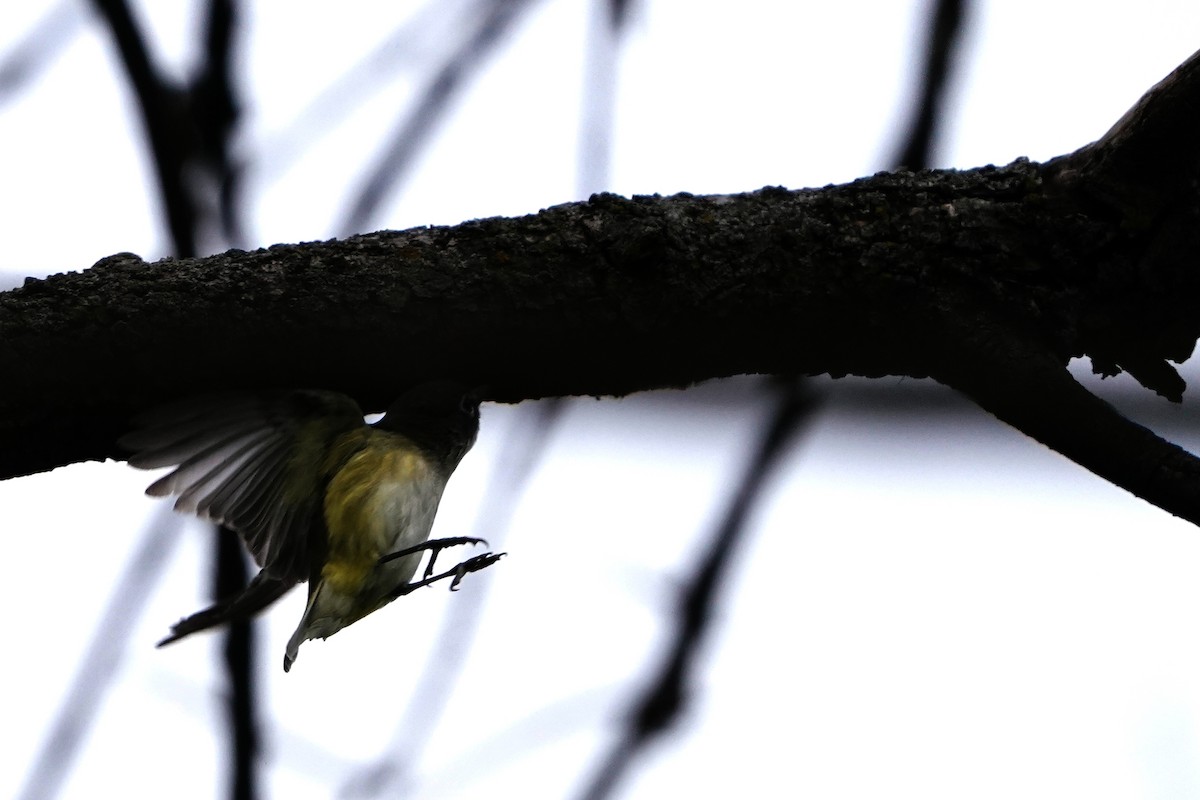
[[417, 124], [411, 44], [945, 32], [164, 118], [919, 274], [100, 662], [216, 111], [662, 703], [619, 12], [664, 699], [229, 579], [599, 96], [40, 46], [190, 130], [542, 727]]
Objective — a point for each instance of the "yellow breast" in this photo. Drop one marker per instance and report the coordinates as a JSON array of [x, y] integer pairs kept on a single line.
[[383, 498]]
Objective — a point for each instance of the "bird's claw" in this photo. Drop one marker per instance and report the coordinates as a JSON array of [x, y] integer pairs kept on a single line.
[[457, 572], [473, 564]]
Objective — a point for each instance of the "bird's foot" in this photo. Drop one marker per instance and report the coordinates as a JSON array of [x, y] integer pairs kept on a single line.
[[434, 546], [457, 572]]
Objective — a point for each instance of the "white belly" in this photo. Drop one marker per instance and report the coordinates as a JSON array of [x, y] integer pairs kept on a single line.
[[409, 511], [396, 512]]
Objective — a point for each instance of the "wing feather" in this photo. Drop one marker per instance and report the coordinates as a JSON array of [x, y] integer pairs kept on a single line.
[[208, 470], [241, 461], [238, 500]]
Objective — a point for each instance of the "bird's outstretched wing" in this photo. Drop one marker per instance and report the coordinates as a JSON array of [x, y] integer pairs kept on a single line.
[[254, 463]]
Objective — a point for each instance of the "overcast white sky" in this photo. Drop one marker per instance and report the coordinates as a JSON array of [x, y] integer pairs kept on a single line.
[[928, 608]]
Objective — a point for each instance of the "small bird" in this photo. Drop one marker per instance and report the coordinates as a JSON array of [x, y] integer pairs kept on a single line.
[[315, 492]]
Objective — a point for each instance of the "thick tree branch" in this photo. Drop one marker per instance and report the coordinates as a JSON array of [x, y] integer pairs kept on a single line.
[[603, 297], [989, 280], [1148, 161]]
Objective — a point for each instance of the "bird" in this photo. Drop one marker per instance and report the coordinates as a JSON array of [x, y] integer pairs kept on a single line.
[[315, 492]]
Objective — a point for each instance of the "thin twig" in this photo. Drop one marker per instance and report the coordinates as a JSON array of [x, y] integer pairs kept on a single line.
[[418, 40], [662, 702], [417, 125], [102, 661], [40, 46], [661, 705], [944, 35], [190, 128]]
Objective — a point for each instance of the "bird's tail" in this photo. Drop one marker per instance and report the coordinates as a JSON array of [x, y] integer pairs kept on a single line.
[[260, 593], [306, 630]]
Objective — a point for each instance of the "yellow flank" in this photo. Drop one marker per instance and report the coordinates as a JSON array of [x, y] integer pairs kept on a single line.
[[359, 530]]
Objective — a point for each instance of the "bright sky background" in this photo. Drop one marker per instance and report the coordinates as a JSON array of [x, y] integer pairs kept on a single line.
[[931, 608]]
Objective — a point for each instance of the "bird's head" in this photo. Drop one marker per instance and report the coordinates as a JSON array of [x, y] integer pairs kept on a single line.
[[441, 417]]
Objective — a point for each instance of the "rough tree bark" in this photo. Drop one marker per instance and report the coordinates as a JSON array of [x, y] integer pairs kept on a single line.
[[988, 280]]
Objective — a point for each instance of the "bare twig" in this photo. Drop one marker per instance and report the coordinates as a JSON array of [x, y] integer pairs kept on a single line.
[[164, 118], [941, 46], [229, 579], [40, 46], [190, 130], [102, 660], [419, 40], [599, 95], [662, 702], [416, 125]]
